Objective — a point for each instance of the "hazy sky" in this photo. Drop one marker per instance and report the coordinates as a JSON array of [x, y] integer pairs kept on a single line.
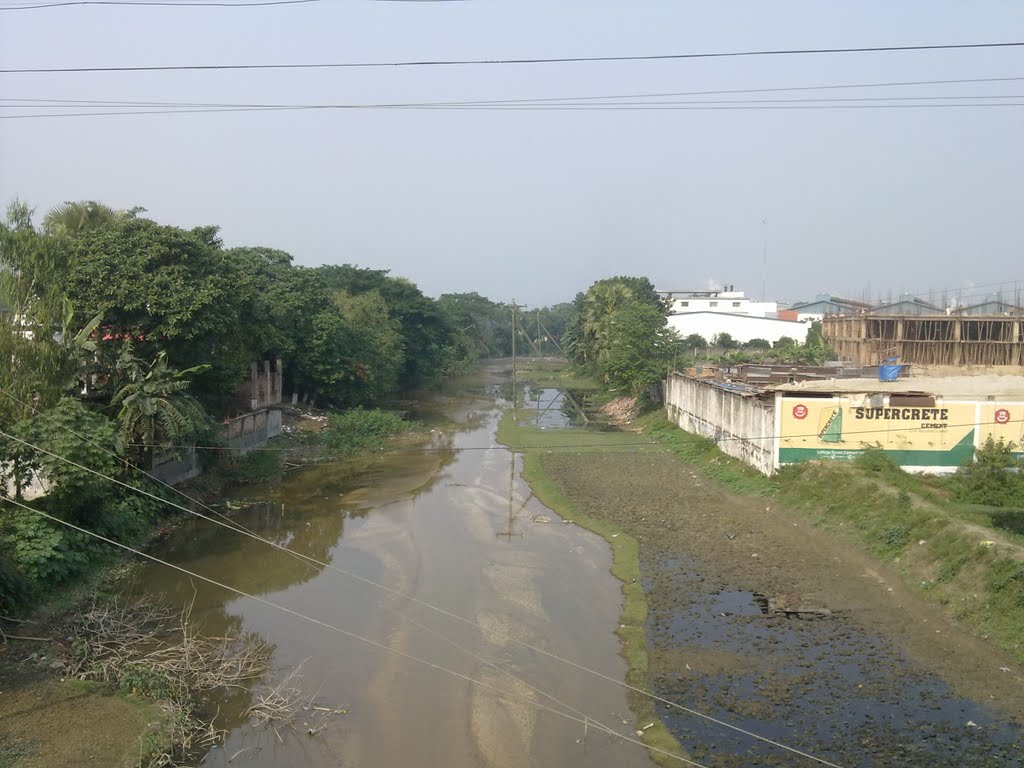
[[536, 205]]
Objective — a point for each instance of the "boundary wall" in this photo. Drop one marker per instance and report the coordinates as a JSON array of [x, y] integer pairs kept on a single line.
[[252, 430], [769, 429], [737, 417]]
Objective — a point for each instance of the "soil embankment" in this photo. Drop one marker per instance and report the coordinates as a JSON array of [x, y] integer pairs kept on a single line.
[[763, 620]]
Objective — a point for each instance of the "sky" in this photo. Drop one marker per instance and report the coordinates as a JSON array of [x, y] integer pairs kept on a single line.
[[534, 205]]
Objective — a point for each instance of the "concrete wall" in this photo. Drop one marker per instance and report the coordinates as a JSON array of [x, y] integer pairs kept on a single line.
[[176, 467], [742, 425], [262, 388], [252, 430], [37, 485]]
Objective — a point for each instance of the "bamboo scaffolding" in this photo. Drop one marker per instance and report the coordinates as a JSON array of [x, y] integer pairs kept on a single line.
[[940, 340]]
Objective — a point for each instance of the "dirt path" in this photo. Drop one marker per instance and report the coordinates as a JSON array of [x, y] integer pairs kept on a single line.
[[871, 675]]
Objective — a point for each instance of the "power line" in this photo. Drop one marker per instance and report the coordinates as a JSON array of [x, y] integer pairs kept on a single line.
[[381, 646], [475, 62], [157, 3], [430, 606], [310, 562], [63, 104], [630, 444], [512, 108], [540, 100]]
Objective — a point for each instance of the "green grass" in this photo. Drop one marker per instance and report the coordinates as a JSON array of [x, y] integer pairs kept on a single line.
[[560, 374], [632, 631], [702, 453]]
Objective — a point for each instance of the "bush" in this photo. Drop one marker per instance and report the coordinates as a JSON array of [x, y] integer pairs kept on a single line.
[[995, 478], [362, 429]]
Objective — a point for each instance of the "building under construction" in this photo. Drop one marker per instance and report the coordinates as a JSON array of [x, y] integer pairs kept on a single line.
[[956, 339]]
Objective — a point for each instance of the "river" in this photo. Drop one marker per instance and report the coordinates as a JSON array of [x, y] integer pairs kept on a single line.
[[452, 526]]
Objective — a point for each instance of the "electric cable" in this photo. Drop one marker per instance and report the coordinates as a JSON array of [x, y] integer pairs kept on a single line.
[[157, 3], [501, 692], [630, 444], [300, 557], [521, 108], [430, 606], [487, 62]]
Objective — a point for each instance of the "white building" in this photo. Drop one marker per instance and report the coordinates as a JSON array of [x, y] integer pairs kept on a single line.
[[710, 313], [728, 301]]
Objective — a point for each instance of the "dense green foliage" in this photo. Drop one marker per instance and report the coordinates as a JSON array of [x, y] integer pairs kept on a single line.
[[619, 333], [995, 479], [361, 429], [121, 337]]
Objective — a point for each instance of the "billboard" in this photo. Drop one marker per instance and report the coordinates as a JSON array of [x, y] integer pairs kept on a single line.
[[842, 427]]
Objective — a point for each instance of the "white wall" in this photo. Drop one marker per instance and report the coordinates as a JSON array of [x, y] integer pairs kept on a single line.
[[742, 328], [743, 427], [728, 303]]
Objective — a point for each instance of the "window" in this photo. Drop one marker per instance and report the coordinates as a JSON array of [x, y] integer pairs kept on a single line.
[[714, 303], [735, 303], [684, 303]]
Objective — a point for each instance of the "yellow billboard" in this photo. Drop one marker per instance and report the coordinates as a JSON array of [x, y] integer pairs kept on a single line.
[[1002, 421], [841, 427]]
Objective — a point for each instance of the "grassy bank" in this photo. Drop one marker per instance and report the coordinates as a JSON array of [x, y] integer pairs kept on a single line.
[[967, 559], [535, 444]]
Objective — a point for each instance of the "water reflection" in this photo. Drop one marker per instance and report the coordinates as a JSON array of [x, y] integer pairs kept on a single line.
[[453, 526]]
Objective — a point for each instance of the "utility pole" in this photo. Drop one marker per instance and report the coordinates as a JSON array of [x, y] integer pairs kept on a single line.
[[515, 388], [540, 339]]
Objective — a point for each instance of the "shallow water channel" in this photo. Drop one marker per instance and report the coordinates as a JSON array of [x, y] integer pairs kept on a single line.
[[453, 527]]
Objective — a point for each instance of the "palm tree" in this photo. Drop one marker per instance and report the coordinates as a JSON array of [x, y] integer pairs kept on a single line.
[[602, 301], [74, 218], [154, 408]]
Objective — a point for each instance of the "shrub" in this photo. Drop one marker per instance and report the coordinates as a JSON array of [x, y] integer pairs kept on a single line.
[[995, 478], [362, 429]]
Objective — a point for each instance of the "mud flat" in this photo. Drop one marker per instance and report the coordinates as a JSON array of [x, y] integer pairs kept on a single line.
[[760, 619]]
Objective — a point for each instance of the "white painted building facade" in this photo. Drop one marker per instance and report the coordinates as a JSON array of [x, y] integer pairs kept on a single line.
[[728, 302], [741, 328]]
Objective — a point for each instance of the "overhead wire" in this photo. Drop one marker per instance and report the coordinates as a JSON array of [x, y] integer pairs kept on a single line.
[[514, 108], [438, 609], [301, 557], [548, 99], [517, 61], [381, 646], [157, 3], [624, 444], [548, 103]]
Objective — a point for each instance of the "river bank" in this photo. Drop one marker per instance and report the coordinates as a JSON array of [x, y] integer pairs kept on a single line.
[[49, 683], [441, 596], [763, 619]]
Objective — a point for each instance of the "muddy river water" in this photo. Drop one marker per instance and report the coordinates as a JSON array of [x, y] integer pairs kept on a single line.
[[453, 527]]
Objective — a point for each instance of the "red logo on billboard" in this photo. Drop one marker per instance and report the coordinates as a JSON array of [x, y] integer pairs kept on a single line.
[[800, 411], [1002, 416]]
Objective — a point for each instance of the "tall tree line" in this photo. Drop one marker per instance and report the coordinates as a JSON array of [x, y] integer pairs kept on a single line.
[[137, 335]]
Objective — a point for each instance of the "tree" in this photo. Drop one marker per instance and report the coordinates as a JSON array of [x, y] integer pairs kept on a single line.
[[695, 341], [377, 346], [725, 341], [485, 325], [428, 335], [75, 218], [758, 344], [169, 290], [153, 407], [42, 344], [639, 349]]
